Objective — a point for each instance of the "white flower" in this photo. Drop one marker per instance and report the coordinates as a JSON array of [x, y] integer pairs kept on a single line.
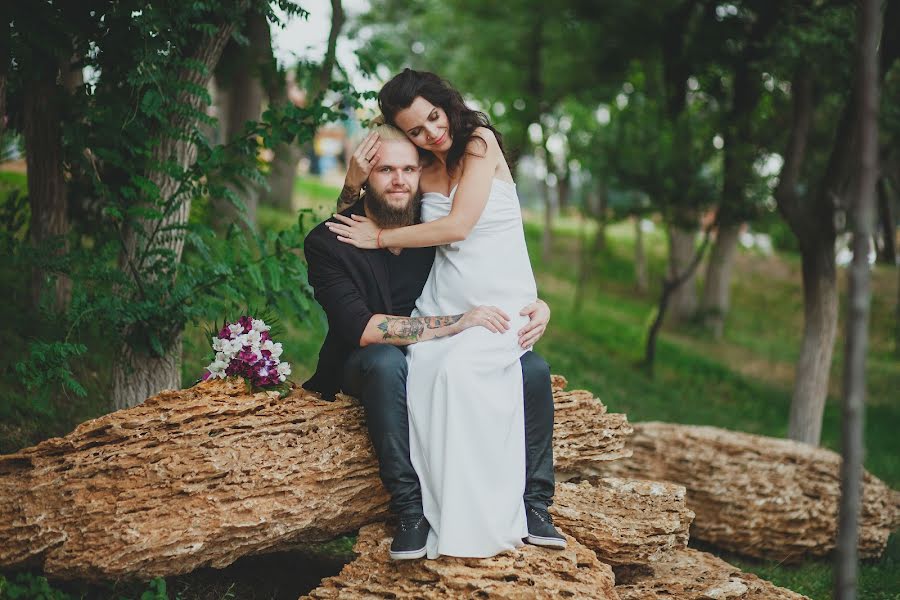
[[259, 325], [273, 347], [222, 357], [231, 347], [217, 369], [217, 344], [252, 337], [284, 369], [282, 378], [236, 329]]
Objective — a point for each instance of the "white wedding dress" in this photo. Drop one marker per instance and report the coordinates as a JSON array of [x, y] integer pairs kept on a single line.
[[464, 393]]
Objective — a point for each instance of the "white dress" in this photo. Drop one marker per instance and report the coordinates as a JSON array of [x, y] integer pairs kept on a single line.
[[464, 393]]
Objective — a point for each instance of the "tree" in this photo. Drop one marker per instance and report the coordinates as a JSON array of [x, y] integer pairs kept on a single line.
[[142, 171], [813, 189], [283, 169], [862, 215], [744, 125]]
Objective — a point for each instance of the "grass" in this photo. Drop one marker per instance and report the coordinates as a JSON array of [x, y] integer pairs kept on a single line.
[[741, 382]]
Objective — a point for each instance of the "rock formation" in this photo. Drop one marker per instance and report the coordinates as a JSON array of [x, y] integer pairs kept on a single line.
[[528, 572], [624, 521], [693, 575], [758, 496], [202, 476]]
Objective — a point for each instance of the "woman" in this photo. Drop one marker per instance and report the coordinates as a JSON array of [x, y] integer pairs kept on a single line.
[[464, 393]]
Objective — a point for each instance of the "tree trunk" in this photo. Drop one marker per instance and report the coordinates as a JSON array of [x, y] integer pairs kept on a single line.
[[671, 286], [640, 258], [282, 174], [820, 307], [717, 285], [859, 300], [138, 376], [683, 301], [283, 169], [46, 182], [598, 207], [887, 253], [134, 372], [243, 98]]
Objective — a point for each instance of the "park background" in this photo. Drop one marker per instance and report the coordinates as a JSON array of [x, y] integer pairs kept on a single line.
[[634, 130]]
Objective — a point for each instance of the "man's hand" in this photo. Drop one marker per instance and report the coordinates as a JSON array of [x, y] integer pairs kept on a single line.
[[489, 317], [539, 315]]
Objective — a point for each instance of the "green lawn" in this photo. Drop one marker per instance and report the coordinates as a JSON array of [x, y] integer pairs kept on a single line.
[[742, 382]]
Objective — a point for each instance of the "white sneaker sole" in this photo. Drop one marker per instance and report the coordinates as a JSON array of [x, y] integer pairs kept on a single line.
[[546, 542], [408, 555]]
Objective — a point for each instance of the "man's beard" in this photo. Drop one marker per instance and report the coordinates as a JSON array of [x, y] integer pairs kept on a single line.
[[387, 216]]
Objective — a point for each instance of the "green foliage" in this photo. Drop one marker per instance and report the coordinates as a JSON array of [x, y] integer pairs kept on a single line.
[[141, 271], [29, 586], [26, 586]]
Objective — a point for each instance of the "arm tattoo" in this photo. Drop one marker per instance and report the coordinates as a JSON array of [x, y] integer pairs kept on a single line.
[[349, 196], [412, 328]]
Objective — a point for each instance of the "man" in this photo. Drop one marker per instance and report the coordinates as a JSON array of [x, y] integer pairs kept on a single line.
[[368, 296]]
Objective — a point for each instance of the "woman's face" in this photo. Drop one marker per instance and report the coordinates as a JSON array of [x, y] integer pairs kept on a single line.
[[426, 125]]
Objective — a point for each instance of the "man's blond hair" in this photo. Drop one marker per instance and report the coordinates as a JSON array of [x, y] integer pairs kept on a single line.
[[386, 132]]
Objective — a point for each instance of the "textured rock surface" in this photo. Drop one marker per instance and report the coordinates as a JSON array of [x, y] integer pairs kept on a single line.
[[693, 575], [625, 521], [755, 495], [528, 572], [203, 476]]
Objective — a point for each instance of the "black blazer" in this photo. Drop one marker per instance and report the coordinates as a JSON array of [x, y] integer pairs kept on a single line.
[[351, 285]]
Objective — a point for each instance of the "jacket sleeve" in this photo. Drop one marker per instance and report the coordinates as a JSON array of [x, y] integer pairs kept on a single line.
[[347, 311]]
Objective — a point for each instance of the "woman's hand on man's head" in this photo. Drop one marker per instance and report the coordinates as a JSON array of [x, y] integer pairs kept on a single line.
[[361, 162]]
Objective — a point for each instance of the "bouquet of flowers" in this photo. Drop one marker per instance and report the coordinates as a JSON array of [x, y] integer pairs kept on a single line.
[[245, 349]]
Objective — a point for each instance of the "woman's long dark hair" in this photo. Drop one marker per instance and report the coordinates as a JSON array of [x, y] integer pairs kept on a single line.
[[399, 93]]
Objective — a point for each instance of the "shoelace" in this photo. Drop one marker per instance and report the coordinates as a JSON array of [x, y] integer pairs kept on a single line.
[[408, 522], [541, 514]]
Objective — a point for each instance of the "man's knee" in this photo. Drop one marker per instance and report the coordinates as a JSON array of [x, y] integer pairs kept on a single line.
[[382, 361]]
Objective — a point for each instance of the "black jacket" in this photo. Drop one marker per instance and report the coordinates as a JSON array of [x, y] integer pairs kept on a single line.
[[351, 285]]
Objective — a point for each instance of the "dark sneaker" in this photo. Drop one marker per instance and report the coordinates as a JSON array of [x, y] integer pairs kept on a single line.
[[409, 541], [541, 531]]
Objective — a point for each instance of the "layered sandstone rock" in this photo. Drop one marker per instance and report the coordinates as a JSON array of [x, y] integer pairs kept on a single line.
[[203, 476], [528, 572], [693, 575], [756, 495], [624, 521]]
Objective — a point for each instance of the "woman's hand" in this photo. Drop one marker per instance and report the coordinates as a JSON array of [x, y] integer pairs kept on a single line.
[[539, 316], [489, 317], [359, 231], [361, 162]]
